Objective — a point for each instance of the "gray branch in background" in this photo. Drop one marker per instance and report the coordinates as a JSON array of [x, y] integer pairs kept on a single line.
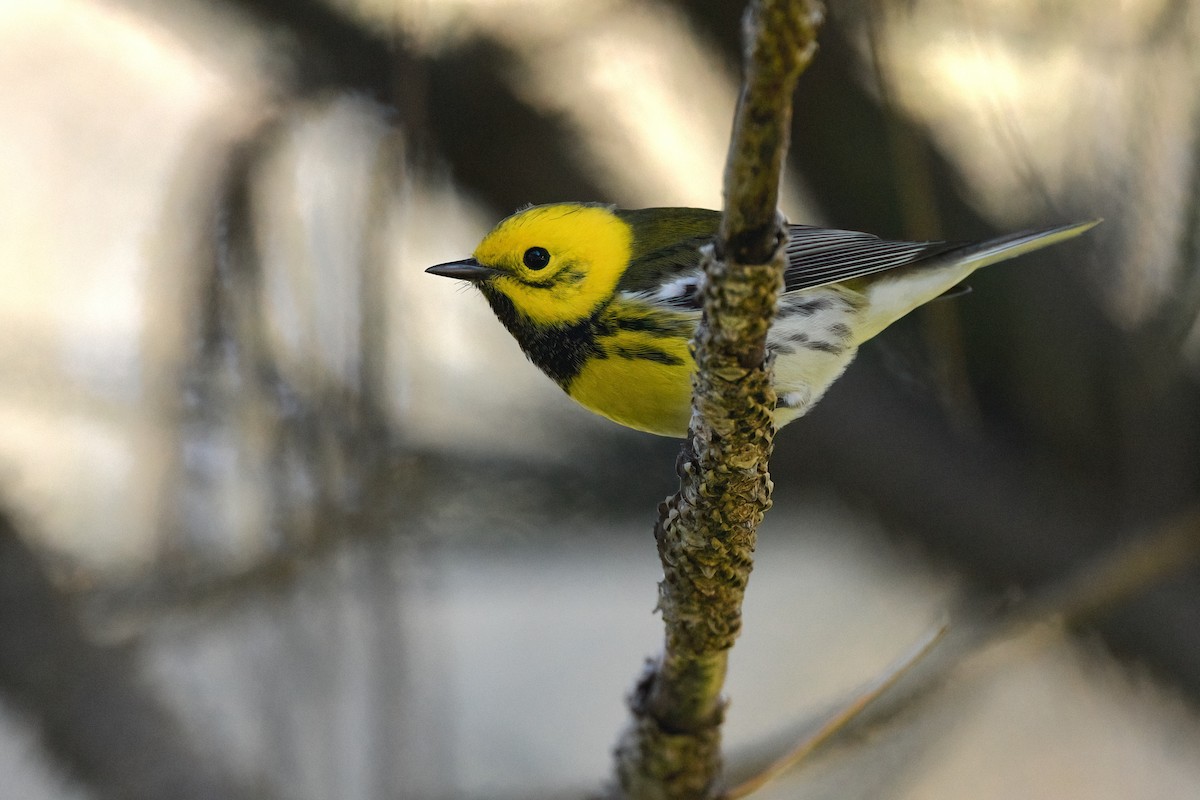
[[105, 727]]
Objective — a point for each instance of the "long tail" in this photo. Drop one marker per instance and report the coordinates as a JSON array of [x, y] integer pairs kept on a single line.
[[1014, 244], [894, 294]]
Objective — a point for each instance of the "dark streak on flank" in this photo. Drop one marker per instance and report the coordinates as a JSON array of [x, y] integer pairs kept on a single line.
[[833, 348], [656, 325], [644, 353], [787, 347], [805, 306], [642, 324]]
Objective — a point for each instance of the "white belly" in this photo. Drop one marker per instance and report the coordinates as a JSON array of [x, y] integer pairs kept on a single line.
[[813, 340]]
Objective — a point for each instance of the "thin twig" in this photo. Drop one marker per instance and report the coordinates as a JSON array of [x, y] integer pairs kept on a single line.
[[1103, 583], [844, 715]]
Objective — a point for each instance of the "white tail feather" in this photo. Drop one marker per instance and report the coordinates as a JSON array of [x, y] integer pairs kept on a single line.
[[894, 294]]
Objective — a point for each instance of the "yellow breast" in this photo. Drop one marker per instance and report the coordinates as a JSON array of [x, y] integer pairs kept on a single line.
[[641, 394], [643, 375]]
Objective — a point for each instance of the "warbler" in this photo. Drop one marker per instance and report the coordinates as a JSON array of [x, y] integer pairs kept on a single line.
[[605, 300]]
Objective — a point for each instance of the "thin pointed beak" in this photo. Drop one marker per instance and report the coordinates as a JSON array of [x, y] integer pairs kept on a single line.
[[466, 270]]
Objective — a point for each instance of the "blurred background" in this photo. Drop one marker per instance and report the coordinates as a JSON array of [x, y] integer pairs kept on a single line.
[[284, 517]]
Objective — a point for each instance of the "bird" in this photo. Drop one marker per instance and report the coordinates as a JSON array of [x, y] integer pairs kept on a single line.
[[605, 300]]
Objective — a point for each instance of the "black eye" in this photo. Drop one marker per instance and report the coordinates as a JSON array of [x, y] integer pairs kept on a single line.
[[537, 257]]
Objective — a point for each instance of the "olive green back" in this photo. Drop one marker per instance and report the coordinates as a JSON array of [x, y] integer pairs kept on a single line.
[[666, 241]]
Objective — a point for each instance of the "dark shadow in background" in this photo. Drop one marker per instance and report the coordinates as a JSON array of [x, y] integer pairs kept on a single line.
[[94, 713]]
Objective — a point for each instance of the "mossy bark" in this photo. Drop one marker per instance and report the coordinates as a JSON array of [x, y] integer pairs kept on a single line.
[[706, 532]]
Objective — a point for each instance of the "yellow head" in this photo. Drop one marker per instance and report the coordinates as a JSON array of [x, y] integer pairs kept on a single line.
[[556, 264]]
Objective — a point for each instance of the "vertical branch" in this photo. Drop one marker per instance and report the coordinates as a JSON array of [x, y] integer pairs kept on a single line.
[[706, 531]]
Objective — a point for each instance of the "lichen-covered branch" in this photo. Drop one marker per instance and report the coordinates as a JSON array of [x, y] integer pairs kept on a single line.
[[706, 532]]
